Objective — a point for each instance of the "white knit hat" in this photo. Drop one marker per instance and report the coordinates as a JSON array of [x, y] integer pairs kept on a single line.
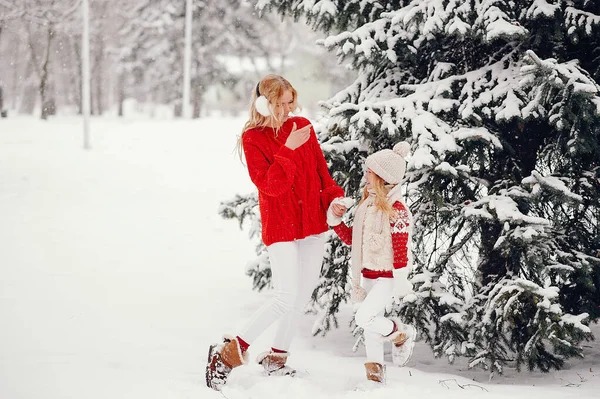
[[390, 165]]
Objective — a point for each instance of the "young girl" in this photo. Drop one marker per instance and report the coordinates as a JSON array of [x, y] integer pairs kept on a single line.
[[295, 189], [380, 238]]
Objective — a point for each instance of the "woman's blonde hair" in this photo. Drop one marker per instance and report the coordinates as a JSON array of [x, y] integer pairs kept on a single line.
[[381, 203], [272, 88]]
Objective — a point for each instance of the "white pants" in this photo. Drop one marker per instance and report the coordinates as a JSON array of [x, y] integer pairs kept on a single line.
[[295, 270], [370, 313]]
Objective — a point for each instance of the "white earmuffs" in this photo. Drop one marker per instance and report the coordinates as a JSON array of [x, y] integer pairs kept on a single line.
[[261, 104]]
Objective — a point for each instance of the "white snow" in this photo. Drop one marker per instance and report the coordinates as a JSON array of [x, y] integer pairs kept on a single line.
[[446, 168], [552, 183], [576, 321], [476, 133], [324, 7], [541, 8], [116, 273], [510, 108], [582, 19], [506, 210]]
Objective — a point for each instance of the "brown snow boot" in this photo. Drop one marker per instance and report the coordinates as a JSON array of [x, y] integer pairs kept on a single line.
[[375, 372], [274, 363], [223, 358]]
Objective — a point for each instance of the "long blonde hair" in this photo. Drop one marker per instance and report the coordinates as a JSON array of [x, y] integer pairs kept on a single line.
[[381, 203], [272, 87]]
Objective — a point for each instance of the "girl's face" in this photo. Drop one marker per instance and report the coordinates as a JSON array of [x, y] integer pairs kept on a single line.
[[370, 177], [284, 106]]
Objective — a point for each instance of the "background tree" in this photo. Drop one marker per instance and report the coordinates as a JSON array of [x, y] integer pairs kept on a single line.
[[42, 22], [225, 33], [136, 53]]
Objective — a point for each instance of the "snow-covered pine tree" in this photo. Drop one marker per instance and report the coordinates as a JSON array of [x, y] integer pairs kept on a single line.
[[501, 104]]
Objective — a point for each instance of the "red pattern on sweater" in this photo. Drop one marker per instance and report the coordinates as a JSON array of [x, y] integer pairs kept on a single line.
[[294, 186], [399, 243]]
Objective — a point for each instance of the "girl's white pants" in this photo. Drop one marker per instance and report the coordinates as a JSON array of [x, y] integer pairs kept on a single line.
[[370, 313], [295, 270]]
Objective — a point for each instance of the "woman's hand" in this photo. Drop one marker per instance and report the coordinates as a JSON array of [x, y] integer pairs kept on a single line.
[[338, 209], [297, 137]]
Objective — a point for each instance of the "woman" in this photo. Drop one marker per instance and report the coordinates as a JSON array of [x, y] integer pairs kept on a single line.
[[295, 189]]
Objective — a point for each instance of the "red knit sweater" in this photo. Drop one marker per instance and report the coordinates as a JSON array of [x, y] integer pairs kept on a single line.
[[294, 186], [399, 245]]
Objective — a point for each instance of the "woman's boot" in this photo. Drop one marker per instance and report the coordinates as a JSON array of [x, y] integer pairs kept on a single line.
[[274, 363], [222, 358]]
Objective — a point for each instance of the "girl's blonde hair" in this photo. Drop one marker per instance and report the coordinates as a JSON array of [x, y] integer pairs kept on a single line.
[[381, 203], [272, 87]]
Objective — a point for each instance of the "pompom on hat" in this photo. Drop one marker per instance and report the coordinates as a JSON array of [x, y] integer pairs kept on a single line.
[[388, 164]]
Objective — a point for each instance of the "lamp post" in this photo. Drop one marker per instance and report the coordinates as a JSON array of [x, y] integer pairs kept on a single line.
[[85, 74], [187, 61]]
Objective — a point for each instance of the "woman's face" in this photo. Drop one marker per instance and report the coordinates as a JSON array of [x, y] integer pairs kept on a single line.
[[284, 106], [370, 177]]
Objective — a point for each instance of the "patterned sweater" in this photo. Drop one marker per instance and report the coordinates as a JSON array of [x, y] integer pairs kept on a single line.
[[383, 253]]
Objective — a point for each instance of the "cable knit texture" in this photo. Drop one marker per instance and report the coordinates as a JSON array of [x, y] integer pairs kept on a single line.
[[294, 186], [390, 165]]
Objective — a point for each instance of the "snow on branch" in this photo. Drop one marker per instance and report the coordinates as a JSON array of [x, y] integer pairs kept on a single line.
[[541, 8], [342, 147], [552, 183], [553, 87], [508, 292], [496, 23], [559, 74], [504, 208], [578, 19], [575, 321], [477, 133]]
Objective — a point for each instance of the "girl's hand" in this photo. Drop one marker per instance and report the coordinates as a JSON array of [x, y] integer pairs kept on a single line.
[[358, 294], [297, 137]]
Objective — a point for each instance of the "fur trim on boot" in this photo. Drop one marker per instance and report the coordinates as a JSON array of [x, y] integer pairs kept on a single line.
[[403, 343], [375, 372], [274, 363], [222, 359]]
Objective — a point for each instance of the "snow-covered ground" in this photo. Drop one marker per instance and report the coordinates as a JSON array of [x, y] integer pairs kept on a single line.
[[116, 273]]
